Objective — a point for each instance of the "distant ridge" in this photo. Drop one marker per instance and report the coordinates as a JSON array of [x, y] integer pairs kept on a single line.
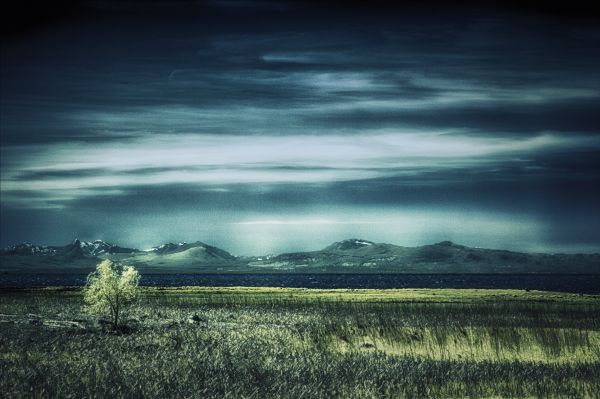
[[210, 251], [353, 255], [76, 249]]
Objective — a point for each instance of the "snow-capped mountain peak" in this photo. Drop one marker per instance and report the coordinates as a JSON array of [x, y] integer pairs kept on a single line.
[[169, 247], [350, 244], [27, 248]]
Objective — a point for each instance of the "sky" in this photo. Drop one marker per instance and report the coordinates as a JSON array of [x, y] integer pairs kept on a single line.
[[268, 127]]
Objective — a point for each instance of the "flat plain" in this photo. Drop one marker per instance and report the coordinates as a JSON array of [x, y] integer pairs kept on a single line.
[[199, 342]]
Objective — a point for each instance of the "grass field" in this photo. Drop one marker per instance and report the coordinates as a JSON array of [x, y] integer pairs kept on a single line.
[[270, 342]]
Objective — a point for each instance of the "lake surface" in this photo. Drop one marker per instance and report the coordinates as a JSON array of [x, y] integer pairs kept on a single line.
[[589, 283]]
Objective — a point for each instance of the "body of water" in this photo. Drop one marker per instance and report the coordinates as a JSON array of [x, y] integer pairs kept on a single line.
[[588, 283]]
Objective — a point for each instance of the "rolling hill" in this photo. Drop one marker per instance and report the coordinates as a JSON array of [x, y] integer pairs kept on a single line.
[[348, 256], [444, 257]]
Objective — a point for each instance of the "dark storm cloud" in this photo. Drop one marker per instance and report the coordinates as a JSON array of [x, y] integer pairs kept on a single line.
[[511, 188], [139, 172], [578, 115], [276, 77], [63, 174]]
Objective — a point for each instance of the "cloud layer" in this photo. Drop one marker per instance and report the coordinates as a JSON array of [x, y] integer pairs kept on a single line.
[[246, 115], [53, 175]]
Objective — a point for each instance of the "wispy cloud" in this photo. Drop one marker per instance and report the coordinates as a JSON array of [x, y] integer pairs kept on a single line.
[[68, 171]]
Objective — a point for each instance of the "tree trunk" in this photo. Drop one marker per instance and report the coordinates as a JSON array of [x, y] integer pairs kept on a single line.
[[116, 319]]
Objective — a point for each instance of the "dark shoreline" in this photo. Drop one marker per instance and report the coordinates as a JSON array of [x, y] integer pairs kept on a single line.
[[576, 283]]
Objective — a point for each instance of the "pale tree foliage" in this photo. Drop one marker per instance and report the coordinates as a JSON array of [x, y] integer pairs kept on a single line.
[[110, 289]]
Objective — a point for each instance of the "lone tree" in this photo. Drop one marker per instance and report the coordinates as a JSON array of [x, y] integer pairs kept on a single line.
[[110, 289]]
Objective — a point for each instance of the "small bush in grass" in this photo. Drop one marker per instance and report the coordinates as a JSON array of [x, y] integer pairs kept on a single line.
[[110, 289]]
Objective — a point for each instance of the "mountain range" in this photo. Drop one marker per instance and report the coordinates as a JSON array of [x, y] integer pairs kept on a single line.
[[348, 256]]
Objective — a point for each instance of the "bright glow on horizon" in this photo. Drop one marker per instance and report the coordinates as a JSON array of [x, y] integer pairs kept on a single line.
[[307, 222]]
